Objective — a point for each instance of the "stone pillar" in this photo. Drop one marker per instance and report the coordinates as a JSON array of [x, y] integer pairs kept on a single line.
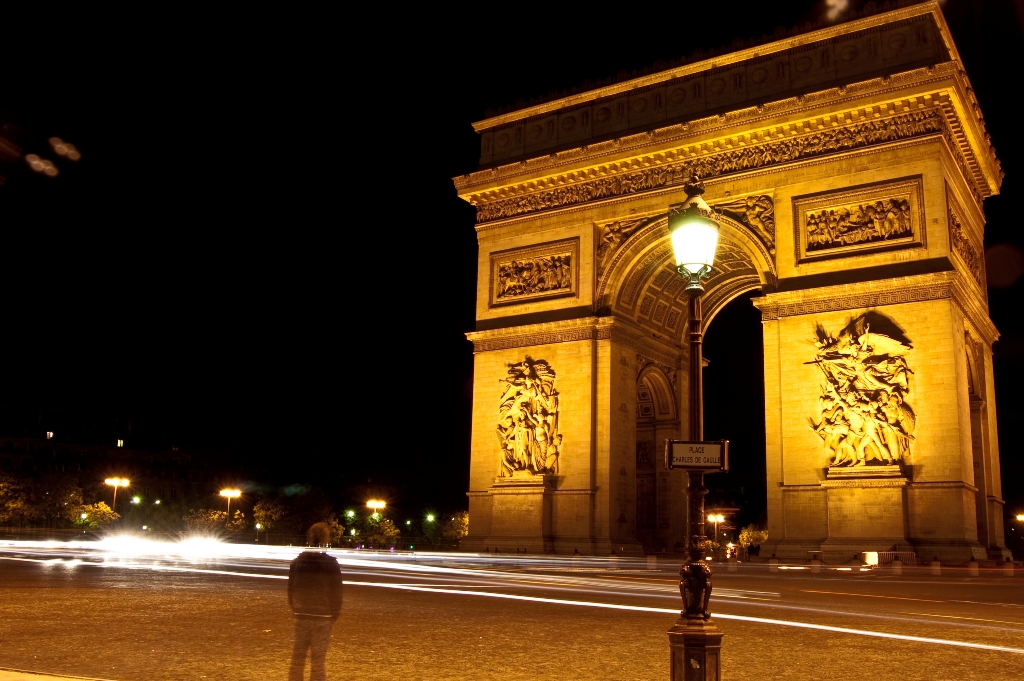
[[521, 517]]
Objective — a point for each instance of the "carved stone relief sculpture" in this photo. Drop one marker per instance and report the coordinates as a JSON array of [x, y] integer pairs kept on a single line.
[[859, 224], [961, 244], [864, 416], [757, 213], [612, 236], [528, 419], [856, 221], [540, 272]]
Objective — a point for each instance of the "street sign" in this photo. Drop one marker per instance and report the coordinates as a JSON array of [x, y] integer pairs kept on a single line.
[[706, 456]]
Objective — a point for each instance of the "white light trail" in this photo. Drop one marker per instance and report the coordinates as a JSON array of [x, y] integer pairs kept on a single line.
[[202, 549], [742, 618]]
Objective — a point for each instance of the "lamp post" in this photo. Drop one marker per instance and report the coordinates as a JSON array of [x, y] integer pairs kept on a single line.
[[376, 505], [695, 641], [230, 494], [115, 483], [716, 518]]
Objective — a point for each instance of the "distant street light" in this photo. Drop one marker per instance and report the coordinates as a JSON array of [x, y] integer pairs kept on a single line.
[[716, 518], [430, 517], [350, 514], [115, 483], [230, 494], [136, 500], [258, 528], [1020, 517], [376, 505]]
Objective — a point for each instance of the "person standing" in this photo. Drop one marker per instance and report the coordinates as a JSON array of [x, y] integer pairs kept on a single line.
[[314, 594]]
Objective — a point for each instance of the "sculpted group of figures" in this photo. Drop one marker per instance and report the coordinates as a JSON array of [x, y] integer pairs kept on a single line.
[[536, 275], [856, 135], [865, 419], [528, 419], [888, 219]]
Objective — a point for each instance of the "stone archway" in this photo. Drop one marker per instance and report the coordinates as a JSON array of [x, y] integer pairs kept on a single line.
[[659, 513], [851, 187]]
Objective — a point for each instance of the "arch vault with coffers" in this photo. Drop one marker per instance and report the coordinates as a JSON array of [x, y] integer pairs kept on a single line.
[[850, 165]]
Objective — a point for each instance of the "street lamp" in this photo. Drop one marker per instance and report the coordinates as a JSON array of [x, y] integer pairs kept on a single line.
[[258, 528], [695, 641], [376, 505], [716, 518], [115, 483], [230, 494], [1020, 517]]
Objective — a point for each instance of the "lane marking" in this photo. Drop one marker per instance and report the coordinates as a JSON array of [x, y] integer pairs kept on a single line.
[[956, 617], [742, 618], [1004, 605], [894, 598]]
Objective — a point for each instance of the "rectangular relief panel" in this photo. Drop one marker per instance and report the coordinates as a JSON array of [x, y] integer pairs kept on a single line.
[[523, 275], [859, 220]]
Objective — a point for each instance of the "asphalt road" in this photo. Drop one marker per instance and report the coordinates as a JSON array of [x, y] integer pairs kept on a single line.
[[219, 613]]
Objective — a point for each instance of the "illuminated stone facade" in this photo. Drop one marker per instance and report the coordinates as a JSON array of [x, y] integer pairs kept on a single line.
[[850, 165]]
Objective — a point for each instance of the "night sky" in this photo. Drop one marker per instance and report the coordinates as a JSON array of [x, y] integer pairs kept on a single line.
[[261, 255]]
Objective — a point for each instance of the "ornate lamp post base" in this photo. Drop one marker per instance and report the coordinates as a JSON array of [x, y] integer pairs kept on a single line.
[[696, 649]]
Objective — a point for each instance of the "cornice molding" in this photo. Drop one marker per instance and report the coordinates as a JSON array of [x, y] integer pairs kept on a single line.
[[603, 157], [954, 286], [586, 328], [716, 62], [793, 143]]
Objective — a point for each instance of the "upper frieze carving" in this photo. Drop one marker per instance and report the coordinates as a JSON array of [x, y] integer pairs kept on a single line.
[[858, 220], [852, 135], [532, 276], [542, 271], [859, 224]]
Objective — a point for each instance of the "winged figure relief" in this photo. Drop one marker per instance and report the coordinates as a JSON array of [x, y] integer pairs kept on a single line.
[[756, 212], [864, 415], [527, 429]]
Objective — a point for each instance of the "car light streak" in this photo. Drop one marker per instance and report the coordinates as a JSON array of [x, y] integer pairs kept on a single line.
[[272, 558], [742, 618]]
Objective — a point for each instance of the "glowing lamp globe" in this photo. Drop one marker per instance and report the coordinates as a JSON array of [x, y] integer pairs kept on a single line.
[[693, 227]]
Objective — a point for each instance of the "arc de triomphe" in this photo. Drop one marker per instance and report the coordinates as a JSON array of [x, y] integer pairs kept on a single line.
[[851, 165]]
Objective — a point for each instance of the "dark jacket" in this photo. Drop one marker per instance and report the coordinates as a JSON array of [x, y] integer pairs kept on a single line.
[[314, 585]]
